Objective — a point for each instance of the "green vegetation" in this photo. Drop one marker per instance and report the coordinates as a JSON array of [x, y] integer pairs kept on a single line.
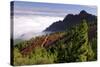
[[72, 45], [38, 56]]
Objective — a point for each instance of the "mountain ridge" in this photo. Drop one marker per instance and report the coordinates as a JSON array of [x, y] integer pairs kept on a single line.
[[71, 20]]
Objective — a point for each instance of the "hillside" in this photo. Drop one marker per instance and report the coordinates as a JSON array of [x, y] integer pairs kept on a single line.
[[71, 20], [49, 40], [72, 42]]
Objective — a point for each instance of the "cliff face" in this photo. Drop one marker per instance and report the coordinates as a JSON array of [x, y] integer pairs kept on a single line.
[[71, 20]]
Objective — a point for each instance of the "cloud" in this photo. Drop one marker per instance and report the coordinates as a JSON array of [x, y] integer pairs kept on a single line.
[[31, 23]]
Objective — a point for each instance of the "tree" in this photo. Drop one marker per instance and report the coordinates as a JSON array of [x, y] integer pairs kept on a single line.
[[93, 43], [41, 56], [79, 49], [18, 59]]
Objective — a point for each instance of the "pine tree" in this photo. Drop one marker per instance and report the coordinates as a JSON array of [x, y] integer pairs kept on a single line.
[[80, 49]]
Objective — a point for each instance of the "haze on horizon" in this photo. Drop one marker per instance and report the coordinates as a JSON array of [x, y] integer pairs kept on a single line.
[[35, 17]]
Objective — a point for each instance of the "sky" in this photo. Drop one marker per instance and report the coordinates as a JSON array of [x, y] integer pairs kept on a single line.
[[31, 18], [51, 9]]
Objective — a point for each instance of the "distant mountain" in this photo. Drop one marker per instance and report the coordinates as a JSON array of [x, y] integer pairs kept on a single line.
[[71, 20]]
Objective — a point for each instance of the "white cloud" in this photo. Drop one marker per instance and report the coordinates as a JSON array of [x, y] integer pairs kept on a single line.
[[32, 23]]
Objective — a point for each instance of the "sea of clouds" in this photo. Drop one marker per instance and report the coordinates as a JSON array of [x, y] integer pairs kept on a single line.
[[27, 26]]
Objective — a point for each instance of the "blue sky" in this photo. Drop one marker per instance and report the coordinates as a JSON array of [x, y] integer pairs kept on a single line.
[[50, 9]]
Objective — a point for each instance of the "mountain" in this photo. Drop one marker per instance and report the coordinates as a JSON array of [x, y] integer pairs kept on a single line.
[[71, 20]]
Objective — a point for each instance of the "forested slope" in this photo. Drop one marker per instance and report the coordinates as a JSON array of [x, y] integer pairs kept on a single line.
[[77, 44]]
